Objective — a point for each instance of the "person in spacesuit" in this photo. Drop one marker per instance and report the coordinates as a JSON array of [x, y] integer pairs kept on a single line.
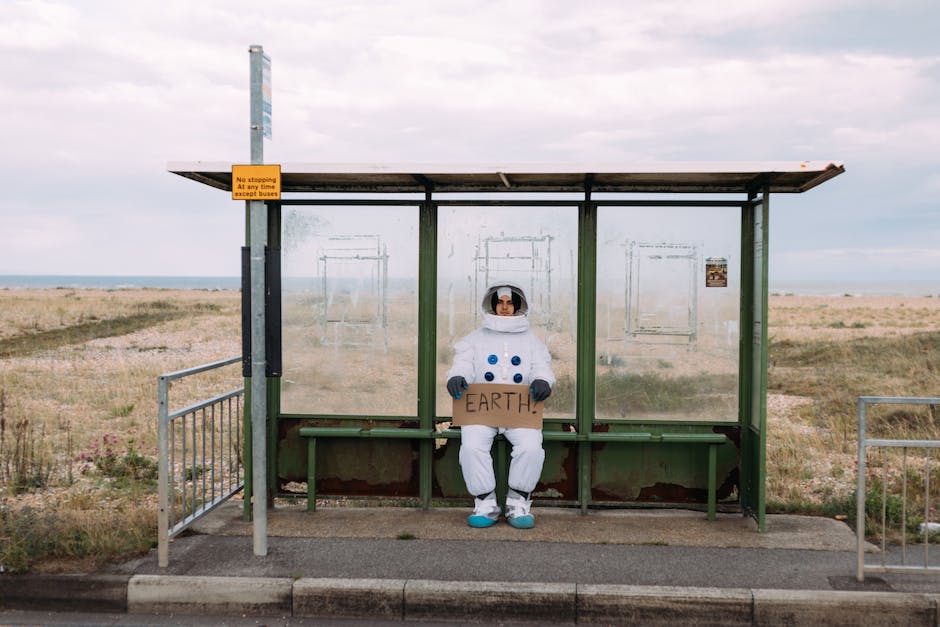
[[503, 350]]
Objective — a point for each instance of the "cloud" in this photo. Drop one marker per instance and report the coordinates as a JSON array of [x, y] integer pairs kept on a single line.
[[892, 263], [37, 26], [103, 93], [29, 235]]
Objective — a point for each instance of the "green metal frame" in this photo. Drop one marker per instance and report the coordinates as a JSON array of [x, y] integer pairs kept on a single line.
[[427, 337], [752, 353], [752, 397], [586, 340]]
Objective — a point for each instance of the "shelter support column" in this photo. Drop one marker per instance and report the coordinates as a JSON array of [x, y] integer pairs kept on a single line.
[[586, 343], [427, 340], [273, 349], [753, 355]]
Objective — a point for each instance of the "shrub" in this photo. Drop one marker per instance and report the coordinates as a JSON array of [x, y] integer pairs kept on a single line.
[[123, 467], [32, 535], [24, 462], [121, 411]]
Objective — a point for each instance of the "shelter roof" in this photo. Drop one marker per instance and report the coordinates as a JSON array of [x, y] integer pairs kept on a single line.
[[647, 177]]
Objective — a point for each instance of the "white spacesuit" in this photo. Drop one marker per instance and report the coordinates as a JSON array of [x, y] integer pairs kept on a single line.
[[502, 351]]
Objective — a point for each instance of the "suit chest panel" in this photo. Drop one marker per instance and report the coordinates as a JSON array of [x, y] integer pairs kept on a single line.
[[503, 358]]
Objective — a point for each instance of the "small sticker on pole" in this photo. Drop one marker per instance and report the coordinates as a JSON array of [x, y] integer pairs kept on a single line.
[[256, 182]]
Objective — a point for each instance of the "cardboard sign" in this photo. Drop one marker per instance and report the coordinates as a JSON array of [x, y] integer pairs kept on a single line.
[[497, 405]]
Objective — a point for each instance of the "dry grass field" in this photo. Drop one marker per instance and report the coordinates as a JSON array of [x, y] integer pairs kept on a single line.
[[78, 371], [824, 353]]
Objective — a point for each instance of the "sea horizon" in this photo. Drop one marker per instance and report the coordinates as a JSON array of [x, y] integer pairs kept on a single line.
[[94, 281], [797, 287]]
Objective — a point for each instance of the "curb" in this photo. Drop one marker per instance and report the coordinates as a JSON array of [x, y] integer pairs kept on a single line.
[[484, 601], [73, 593], [831, 607], [481, 601], [257, 596], [645, 605]]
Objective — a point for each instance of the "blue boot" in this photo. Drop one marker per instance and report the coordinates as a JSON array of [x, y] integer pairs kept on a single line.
[[518, 510], [485, 512]]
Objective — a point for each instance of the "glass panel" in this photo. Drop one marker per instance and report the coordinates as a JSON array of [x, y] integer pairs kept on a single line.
[[535, 247], [350, 314], [668, 292]]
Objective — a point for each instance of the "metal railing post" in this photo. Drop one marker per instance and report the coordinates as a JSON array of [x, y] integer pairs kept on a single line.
[[864, 444], [209, 473], [163, 489], [860, 493]]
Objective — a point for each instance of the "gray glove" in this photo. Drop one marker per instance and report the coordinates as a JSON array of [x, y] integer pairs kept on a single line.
[[456, 386], [540, 390]]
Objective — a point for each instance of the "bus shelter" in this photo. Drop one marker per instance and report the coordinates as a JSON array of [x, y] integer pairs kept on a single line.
[[648, 284]]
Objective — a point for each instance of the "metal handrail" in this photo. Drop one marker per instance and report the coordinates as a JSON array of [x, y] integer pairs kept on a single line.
[[209, 444], [864, 443]]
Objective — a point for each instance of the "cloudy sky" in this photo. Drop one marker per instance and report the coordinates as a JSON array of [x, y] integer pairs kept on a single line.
[[100, 95]]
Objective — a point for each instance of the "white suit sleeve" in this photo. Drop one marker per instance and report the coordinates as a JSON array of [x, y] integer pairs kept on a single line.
[[542, 362], [463, 360]]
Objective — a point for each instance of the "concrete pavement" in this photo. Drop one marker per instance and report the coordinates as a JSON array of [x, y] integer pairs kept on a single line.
[[611, 566]]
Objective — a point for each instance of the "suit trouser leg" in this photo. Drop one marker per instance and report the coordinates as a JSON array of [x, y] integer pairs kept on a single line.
[[528, 456], [476, 462]]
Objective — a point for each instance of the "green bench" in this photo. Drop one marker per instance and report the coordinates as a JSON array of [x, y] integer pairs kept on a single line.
[[312, 434], [712, 440]]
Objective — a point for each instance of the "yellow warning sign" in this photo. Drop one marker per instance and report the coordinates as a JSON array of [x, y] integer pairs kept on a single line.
[[256, 182]]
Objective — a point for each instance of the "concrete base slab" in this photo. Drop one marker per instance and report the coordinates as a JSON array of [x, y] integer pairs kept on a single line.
[[667, 527]]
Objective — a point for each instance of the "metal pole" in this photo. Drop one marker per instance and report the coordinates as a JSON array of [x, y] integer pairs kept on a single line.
[[163, 539], [926, 508], [258, 235], [860, 496]]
